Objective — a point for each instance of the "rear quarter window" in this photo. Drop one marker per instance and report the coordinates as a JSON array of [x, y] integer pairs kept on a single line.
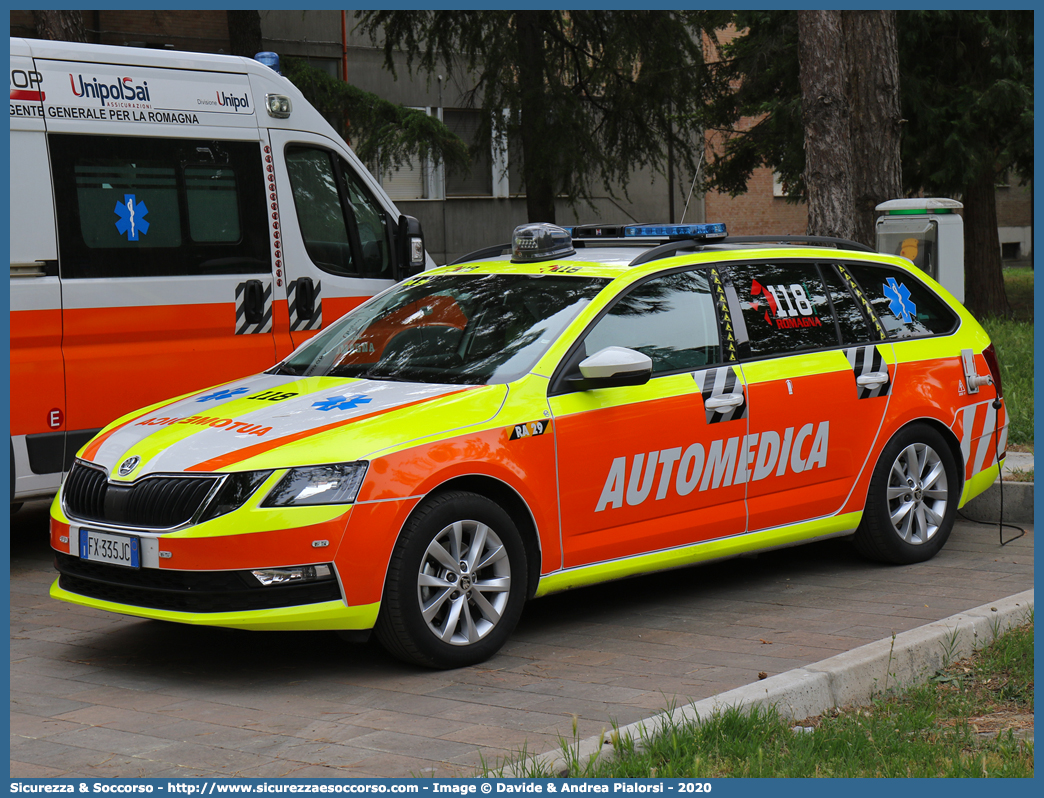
[[906, 307]]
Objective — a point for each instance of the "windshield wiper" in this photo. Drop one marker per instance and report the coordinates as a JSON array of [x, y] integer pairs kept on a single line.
[[370, 375], [284, 368]]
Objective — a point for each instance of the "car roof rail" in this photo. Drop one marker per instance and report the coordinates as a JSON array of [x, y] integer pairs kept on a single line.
[[485, 252], [672, 247], [838, 243]]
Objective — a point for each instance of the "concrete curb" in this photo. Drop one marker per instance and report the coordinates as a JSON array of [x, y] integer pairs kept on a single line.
[[1018, 504], [850, 678]]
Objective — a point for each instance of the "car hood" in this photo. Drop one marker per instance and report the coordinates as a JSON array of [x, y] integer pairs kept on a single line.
[[272, 421]]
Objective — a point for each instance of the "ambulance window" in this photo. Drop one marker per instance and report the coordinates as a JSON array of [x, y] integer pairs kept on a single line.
[[319, 210], [784, 306], [132, 190], [213, 203], [135, 206], [670, 318], [851, 320], [906, 307], [373, 233]]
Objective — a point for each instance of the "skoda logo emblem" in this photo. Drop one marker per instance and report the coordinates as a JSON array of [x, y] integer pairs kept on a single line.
[[129, 465]]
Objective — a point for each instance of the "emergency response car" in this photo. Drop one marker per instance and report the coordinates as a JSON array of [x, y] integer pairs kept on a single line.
[[177, 219], [576, 407]]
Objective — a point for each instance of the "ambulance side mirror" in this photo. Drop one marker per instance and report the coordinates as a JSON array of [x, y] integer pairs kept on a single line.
[[410, 240], [612, 367]]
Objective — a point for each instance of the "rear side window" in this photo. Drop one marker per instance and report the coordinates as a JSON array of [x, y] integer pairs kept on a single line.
[[784, 307], [144, 207], [851, 320], [212, 204], [906, 307]]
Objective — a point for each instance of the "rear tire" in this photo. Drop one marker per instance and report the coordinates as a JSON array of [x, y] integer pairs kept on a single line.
[[456, 583], [912, 499]]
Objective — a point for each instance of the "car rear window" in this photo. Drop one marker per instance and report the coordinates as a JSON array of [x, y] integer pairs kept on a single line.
[[906, 307]]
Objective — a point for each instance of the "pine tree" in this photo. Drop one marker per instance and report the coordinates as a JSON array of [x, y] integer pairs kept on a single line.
[[588, 94], [966, 93]]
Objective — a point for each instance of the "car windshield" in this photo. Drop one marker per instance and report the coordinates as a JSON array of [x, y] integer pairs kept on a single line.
[[461, 328]]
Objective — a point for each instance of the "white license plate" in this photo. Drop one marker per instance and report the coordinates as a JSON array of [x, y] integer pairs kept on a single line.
[[114, 549]]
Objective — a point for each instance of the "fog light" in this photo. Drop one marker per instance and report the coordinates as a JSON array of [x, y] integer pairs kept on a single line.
[[294, 575]]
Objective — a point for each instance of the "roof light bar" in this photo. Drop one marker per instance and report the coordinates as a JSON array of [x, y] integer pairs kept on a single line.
[[539, 241], [710, 230]]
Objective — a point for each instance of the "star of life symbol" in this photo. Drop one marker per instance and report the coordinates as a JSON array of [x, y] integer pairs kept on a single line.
[[217, 396], [132, 217], [898, 296], [342, 403]]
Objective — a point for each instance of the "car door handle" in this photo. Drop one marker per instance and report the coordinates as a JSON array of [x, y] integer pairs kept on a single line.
[[875, 378], [721, 403]]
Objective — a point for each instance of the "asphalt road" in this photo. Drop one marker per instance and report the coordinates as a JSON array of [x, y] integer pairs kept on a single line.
[[100, 695]]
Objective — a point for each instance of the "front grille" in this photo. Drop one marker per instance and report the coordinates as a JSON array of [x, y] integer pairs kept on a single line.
[[156, 501], [185, 591]]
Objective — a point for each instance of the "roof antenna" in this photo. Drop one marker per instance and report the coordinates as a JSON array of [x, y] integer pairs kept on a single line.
[[686, 208]]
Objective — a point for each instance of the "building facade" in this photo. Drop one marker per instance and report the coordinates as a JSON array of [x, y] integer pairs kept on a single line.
[[463, 212], [459, 212]]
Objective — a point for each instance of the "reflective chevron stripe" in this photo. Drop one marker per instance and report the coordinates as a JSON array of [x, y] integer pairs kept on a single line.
[[296, 322], [866, 360], [244, 327], [979, 446], [719, 383]]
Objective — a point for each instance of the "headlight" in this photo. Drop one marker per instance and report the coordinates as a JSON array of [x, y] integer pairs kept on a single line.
[[338, 483], [234, 492]]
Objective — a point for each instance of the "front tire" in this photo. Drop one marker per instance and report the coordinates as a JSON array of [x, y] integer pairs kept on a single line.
[[912, 499], [456, 583]]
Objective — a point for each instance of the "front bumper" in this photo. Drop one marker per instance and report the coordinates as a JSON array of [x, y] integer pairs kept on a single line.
[[327, 615], [200, 574]]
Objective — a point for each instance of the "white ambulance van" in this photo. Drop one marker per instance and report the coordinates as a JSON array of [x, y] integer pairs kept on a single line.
[[177, 220]]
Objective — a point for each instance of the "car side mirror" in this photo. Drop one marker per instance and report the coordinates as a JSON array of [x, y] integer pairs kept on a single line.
[[612, 367]]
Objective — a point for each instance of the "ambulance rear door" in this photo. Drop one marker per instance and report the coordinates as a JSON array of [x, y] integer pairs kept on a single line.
[[37, 372], [164, 249], [336, 236]]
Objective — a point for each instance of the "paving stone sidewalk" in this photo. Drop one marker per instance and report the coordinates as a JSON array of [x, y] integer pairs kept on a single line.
[[98, 695]]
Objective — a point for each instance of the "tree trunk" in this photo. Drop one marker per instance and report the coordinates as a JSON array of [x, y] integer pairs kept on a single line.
[[984, 293], [63, 26], [537, 158], [873, 56], [825, 114], [244, 33]]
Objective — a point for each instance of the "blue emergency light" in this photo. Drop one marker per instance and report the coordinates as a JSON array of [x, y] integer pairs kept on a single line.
[[709, 230]]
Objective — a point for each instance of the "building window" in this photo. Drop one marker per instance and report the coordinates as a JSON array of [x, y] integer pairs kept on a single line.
[[465, 122]]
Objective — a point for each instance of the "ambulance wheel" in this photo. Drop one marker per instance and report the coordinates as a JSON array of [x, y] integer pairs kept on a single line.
[[456, 583], [912, 499]]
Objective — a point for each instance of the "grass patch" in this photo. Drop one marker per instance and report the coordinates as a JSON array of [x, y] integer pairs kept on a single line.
[[1013, 339], [1018, 285], [962, 723], [1018, 475]]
